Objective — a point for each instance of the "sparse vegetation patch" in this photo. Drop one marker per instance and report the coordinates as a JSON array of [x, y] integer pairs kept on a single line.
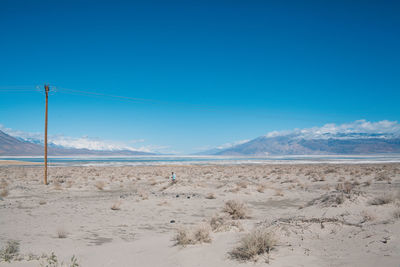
[[236, 209], [257, 242], [198, 235]]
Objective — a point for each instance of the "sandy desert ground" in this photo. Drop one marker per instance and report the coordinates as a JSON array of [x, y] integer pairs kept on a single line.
[[242, 215]]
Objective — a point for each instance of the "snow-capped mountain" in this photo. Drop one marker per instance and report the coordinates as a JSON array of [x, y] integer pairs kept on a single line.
[[12, 146], [359, 137]]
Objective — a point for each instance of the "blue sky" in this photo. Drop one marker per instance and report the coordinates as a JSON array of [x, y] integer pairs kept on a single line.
[[215, 71]]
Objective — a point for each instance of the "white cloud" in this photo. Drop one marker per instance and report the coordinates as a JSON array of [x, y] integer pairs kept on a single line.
[[359, 129], [21, 134], [87, 142], [83, 142]]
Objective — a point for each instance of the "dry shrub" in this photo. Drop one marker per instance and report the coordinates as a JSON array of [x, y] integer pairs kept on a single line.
[[381, 200], [278, 193], [339, 199], [164, 203], [235, 190], [210, 196], [202, 234], [260, 188], [345, 187], [116, 205], [69, 184], [367, 216], [42, 202], [221, 223], [163, 188], [257, 242], [4, 192], [383, 177], [143, 195], [367, 183], [326, 187], [100, 185], [242, 184], [198, 235], [328, 199], [396, 214], [3, 183], [10, 251], [236, 209], [327, 171], [57, 185], [61, 233]]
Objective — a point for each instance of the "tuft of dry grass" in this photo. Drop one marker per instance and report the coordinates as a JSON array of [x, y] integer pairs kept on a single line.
[[257, 242], [221, 223], [61, 233], [69, 184], [210, 196], [236, 209], [242, 184], [3, 183], [381, 200], [198, 235], [383, 177], [10, 251], [339, 199], [260, 188], [345, 187], [235, 189], [278, 193], [100, 185], [367, 183], [143, 195], [396, 214], [164, 203], [57, 185], [367, 216], [4, 192]]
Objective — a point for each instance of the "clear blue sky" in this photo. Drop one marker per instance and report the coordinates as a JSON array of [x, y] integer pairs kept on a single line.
[[220, 71]]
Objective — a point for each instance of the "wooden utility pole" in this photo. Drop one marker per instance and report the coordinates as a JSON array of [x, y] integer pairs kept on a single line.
[[46, 89]]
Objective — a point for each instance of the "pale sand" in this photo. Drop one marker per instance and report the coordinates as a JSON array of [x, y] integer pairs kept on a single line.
[[17, 162], [289, 200]]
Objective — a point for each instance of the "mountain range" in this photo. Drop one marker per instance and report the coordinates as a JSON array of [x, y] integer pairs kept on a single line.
[[13, 146], [359, 137], [289, 145]]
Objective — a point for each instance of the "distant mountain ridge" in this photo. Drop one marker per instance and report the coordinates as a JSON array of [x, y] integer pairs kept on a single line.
[[284, 145], [359, 137], [11, 146]]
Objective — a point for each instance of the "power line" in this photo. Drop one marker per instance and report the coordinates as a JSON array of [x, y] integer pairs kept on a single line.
[[17, 87], [18, 91], [32, 89], [132, 99], [101, 95]]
